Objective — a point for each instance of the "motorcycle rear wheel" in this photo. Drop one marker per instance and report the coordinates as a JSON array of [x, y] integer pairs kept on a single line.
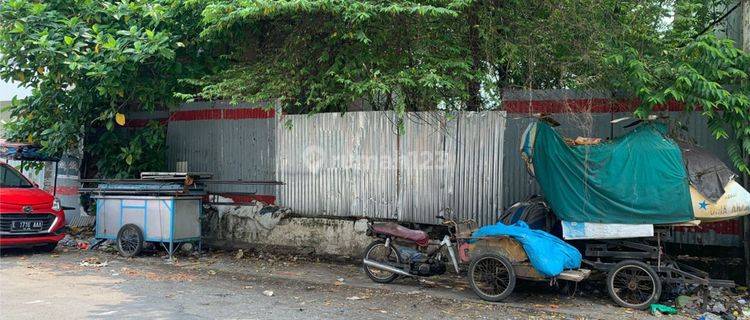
[[377, 251]]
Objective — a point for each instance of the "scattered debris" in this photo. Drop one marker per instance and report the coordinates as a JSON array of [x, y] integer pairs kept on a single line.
[[427, 283], [709, 316], [93, 262], [339, 281], [689, 302], [354, 298], [718, 303], [659, 309], [268, 293], [68, 241], [211, 272], [240, 254]]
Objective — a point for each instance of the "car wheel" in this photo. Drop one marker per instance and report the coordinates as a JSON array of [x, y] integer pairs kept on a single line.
[[49, 247]]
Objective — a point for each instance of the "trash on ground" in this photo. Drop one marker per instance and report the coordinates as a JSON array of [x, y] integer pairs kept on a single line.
[[659, 309], [268, 293], [93, 262], [709, 316], [68, 241]]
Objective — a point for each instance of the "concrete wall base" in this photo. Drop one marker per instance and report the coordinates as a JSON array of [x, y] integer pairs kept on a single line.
[[249, 227]]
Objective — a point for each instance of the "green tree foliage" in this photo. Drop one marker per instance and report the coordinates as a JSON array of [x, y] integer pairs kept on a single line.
[[132, 152], [699, 71], [322, 55], [409, 55], [86, 61]]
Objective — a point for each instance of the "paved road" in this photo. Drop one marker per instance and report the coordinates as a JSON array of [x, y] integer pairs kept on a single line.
[[220, 286]]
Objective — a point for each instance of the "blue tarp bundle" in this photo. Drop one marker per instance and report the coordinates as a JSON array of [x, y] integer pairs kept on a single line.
[[548, 254]]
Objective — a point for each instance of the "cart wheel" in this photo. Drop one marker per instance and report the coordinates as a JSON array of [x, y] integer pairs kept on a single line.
[[130, 240], [492, 277], [633, 284], [377, 251]]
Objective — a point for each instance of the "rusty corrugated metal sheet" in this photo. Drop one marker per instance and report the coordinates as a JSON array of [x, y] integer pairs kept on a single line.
[[442, 165], [240, 149], [478, 170], [338, 165], [426, 167], [724, 233]]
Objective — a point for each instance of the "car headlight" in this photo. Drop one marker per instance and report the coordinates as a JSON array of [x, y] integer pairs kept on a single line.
[[56, 206]]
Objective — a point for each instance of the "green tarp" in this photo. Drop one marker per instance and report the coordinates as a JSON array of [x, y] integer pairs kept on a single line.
[[638, 178]]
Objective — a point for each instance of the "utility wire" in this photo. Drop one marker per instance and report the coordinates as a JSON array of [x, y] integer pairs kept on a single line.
[[724, 16]]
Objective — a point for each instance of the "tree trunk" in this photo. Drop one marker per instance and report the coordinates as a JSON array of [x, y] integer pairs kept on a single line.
[[473, 87]]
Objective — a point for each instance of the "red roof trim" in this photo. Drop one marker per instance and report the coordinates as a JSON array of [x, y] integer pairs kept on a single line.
[[596, 105], [222, 114]]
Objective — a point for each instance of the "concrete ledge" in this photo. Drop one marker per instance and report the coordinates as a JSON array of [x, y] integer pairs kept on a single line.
[[248, 227]]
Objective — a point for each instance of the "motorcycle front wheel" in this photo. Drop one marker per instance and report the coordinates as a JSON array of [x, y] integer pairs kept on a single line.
[[378, 252]]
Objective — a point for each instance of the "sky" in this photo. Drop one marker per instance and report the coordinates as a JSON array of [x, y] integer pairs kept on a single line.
[[8, 90]]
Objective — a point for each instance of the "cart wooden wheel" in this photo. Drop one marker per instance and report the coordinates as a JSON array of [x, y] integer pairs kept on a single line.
[[130, 240], [492, 277], [633, 284]]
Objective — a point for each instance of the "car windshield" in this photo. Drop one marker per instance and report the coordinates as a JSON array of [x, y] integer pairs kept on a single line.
[[10, 178]]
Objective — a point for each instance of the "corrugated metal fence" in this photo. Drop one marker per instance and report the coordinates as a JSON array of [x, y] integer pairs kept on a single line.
[[357, 164], [232, 142]]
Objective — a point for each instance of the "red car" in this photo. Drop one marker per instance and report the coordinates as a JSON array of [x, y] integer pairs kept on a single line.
[[29, 216]]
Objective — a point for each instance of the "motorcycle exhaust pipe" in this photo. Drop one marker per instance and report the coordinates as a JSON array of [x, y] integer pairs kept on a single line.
[[386, 267]]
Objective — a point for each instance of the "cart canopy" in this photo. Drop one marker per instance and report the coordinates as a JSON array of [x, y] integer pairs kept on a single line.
[[638, 178]]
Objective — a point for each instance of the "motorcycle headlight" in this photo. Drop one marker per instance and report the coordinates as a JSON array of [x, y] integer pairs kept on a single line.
[[56, 206]]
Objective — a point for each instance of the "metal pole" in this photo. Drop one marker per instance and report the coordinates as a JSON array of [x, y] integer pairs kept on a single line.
[[54, 184], [745, 30]]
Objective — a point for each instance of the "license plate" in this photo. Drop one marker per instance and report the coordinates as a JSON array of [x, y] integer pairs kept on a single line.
[[26, 225]]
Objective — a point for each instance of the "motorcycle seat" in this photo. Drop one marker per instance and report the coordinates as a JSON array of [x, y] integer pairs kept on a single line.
[[389, 228]]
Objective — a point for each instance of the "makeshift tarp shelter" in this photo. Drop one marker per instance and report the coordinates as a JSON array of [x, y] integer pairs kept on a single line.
[[23, 152], [27, 152], [638, 178], [707, 174]]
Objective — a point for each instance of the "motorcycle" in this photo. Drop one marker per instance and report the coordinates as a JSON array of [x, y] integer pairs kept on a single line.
[[492, 263], [400, 251]]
